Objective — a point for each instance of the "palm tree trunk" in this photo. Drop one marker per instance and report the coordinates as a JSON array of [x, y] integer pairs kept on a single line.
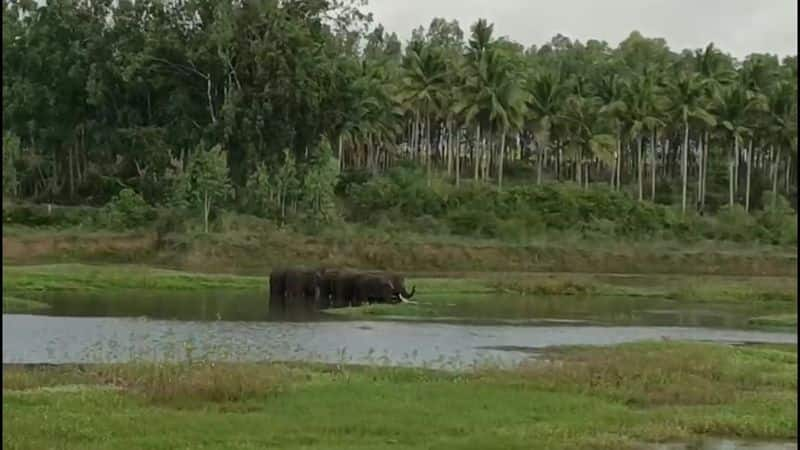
[[775, 162], [619, 159], [653, 167], [684, 165], [700, 161], [502, 158], [749, 172], [614, 172], [788, 173], [341, 161], [458, 157], [732, 172], [476, 151], [705, 172], [736, 171], [540, 157], [428, 148], [449, 148], [639, 168]]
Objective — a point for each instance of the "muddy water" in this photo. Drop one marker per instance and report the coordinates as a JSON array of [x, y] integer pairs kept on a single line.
[[250, 305], [48, 339]]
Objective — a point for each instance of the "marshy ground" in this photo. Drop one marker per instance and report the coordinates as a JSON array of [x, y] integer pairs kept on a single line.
[[613, 397]]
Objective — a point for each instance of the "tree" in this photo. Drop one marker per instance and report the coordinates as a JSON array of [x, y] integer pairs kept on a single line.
[[734, 108], [546, 96], [208, 171], [687, 96], [319, 183]]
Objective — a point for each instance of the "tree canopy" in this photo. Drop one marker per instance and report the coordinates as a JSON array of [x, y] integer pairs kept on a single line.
[[103, 95]]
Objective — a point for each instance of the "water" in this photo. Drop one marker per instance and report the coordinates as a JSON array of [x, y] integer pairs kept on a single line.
[[251, 305], [48, 339], [724, 444]]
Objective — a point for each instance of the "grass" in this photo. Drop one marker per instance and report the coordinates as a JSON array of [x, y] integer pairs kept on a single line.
[[776, 320], [581, 398], [84, 277], [256, 245], [16, 305]]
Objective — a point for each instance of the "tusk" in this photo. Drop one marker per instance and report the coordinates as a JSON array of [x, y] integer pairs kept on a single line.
[[405, 300]]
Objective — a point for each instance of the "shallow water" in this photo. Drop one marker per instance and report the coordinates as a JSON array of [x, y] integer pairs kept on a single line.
[[251, 305], [724, 444], [47, 339]]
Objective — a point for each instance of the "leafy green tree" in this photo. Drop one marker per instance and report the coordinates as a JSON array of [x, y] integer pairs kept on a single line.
[[210, 183], [319, 184], [260, 195]]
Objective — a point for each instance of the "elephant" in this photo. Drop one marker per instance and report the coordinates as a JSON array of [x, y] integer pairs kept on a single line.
[[381, 287], [303, 288], [294, 290], [327, 291], [343, 288], [277, 292]]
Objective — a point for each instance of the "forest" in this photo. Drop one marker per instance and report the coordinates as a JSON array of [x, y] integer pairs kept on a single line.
[[287, 109]]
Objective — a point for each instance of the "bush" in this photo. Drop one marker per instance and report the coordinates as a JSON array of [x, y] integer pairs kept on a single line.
[[48, 215], [778, 220], [127, 210]]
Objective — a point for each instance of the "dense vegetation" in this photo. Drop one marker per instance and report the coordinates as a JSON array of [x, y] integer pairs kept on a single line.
[[273, 108]]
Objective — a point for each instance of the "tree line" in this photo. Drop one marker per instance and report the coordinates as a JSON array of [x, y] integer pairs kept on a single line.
[[102, 95]]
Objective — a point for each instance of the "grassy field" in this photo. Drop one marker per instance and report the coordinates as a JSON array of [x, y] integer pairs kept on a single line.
[[453, 296], [254, 250], [609, 398]]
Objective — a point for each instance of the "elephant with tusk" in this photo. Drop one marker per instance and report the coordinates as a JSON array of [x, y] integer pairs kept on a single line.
[[381, 287]]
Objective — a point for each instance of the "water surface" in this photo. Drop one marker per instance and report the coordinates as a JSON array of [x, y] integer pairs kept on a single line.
[[47, 339], [251, 306]]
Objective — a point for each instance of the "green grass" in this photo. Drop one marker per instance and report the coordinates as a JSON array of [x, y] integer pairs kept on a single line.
[[71, 277], [776, 320], [585, 398], [16, 305]]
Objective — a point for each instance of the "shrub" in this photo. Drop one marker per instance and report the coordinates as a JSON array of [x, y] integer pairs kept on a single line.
[[127, 210]]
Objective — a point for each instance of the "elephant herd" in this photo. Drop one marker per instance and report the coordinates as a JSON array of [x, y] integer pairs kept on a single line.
[[308, 290]]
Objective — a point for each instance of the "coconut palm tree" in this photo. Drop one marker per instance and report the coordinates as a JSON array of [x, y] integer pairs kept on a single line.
[[546, 96], [609, 89], [734, 107], [421, 84], [587, 134], [642, 105], [688, 103]]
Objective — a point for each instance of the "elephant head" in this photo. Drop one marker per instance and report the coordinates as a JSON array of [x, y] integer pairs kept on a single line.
[[381, 287], [399, 292]]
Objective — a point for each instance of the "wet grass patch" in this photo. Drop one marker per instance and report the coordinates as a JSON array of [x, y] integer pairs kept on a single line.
[[16, 305], [579, 398]]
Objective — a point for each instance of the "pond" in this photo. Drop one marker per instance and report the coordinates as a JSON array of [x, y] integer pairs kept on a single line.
[[251, 306], [48, 339]]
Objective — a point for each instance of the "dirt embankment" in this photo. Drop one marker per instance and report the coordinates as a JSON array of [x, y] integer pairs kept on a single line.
[[255, 254]]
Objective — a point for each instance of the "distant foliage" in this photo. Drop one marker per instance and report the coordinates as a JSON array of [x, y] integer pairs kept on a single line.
[[127, 210], [11, 151], [319, 198], [259, 192], [527, 211]]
